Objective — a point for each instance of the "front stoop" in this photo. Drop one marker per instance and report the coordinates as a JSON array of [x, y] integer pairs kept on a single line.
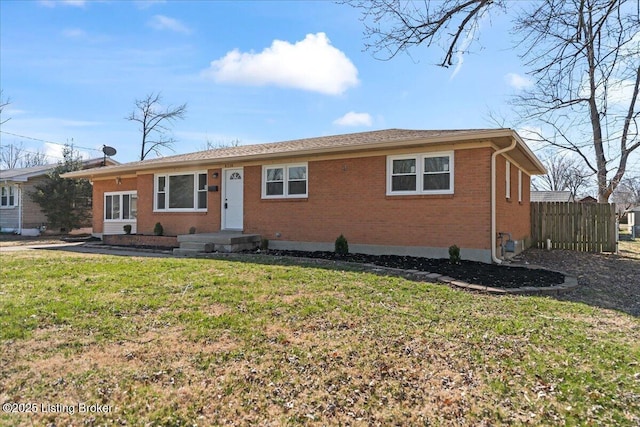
[[224, 241]]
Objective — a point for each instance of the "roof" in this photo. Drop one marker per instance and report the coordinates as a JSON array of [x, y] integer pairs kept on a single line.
[[23, 174], [346, 143], [551, 196]]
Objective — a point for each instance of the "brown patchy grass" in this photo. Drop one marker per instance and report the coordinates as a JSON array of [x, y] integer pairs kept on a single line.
[[205, 342], [629, 249]]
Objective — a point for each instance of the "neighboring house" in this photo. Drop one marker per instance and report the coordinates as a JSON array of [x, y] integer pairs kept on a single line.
[[18, 213], [413, 192], [588, 199], [552, 196], [633, 221]]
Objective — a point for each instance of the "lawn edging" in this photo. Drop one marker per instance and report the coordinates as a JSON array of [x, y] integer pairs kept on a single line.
[[423, 276], [569, 283]]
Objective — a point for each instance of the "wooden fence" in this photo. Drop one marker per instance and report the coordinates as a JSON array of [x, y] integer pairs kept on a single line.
[[586, 227]]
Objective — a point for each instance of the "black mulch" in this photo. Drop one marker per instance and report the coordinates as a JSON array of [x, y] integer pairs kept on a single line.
[[497, 276]]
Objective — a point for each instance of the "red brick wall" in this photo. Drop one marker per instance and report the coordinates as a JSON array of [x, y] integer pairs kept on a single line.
[[512, 216], [105, 186], [349, 197], [175, 223]]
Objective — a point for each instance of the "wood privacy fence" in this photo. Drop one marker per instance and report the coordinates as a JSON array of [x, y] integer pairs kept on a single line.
[[586, 227]]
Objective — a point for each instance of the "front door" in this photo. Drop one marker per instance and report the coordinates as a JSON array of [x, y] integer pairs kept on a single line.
[[232, 203]]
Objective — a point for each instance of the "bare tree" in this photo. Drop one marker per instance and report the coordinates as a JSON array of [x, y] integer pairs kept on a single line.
[[155, 123], [564, 173], [394, 26], [3, 104], [213, 145], [15, 156], [583, 57], [36, 158], [627, 195]]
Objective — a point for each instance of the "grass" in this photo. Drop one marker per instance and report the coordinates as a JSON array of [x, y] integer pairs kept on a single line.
[[166, 341]]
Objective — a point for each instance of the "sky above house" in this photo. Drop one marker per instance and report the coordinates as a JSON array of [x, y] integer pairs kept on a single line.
[[249, 71]]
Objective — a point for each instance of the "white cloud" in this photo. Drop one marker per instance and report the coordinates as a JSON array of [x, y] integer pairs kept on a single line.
[[146, 4], [54, 3], [354, 119], [464, 47], [312, 64], [161, 22], [532, 136], [74, 33], [54, 152], [517, 81]]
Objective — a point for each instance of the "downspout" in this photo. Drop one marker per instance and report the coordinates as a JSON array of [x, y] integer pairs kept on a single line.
[[493, 198], [19, 196]]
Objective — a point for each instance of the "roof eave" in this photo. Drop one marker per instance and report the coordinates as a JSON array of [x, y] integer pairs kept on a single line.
[[495, 135]]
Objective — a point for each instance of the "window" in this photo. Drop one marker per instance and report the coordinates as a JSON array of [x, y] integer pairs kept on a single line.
[[284, 181], [430, 173], [508, 179], [120, 206], [181, 192], [8, 197], [403, 176], [519, 185]]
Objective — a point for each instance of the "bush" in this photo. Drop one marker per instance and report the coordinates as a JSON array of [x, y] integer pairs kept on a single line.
[[264, 244], [342, 246], [158, 230], [192, 230], [127, 228], [454, 254]]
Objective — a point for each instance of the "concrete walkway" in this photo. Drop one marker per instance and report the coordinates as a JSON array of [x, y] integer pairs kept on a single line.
[[88, 248]]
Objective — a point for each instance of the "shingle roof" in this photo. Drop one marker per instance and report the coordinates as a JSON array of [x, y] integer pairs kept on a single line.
[[22, 174], [299, 147], [352, 140], [551, 196]]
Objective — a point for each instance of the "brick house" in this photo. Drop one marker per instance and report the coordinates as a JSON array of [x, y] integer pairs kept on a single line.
[[413, 192]]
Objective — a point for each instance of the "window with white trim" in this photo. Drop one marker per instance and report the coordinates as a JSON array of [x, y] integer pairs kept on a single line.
[[508, 179], [427, 173], [120, 206], [519, 186], [8, 196], [180, 192], [284, 181]]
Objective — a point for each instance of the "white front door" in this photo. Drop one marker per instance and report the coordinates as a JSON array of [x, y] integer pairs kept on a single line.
[[232, 203]]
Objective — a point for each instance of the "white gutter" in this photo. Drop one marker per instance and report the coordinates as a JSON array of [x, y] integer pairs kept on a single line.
[[493, 198], [19, 196]]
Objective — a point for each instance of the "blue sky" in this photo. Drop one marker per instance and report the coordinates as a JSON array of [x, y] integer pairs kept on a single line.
[[255, 71]]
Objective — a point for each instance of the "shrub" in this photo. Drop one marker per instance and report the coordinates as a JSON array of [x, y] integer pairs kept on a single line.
[[158, 230], [264, 244], [192, 230], [342, 246], [454, 254], [127, 228]]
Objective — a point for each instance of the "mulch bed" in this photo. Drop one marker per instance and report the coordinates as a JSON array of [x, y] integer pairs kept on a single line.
[[497, 276]]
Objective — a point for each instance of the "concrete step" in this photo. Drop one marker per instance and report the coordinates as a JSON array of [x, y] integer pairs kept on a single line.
[[221, 238], [197, 246], [236, 247]]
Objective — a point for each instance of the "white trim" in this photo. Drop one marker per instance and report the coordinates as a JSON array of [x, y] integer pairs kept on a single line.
[[223, 199], [16, 196], [285, 181], [519, 185], [419, 173], [507, 178], [495, 154], [120, 194], [167, 191]]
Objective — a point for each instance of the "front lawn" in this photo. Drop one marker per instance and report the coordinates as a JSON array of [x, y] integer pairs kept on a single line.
[[162, 341]]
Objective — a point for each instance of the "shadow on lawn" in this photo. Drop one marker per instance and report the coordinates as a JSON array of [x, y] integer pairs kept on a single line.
[[605, 280]]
